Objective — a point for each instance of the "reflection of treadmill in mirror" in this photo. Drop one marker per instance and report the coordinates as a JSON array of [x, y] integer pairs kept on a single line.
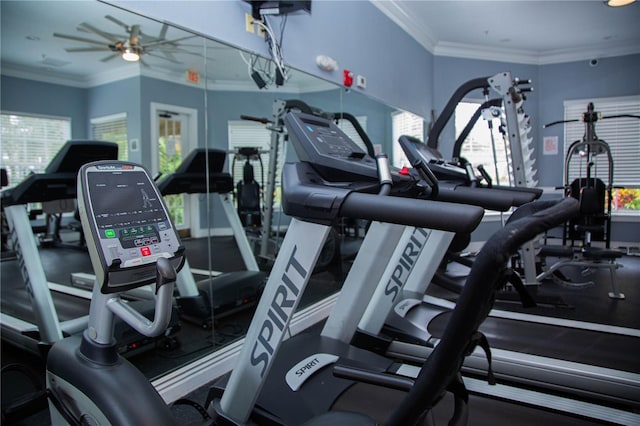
[[44, 313], [231, 291]]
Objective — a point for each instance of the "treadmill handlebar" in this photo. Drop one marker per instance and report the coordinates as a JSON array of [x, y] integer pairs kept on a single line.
[[384, 170], [412, 212], [483, 197], [307, 196]]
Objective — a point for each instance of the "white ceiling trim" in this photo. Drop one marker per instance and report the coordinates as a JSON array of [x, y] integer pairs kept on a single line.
[[419, 32], [468, 51], [47, 76]]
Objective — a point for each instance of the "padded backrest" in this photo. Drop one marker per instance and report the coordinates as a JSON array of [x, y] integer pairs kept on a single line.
[[594, 198], [248, 196], [591, 201]]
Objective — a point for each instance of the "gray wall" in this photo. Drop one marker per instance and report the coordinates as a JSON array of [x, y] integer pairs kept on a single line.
[[355, 33], [20, 95], [618, 76]]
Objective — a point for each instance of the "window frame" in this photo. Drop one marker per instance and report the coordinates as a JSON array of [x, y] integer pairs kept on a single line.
[[67, 135], [399, 159], [123, 154], [506, 177], [609, 131]]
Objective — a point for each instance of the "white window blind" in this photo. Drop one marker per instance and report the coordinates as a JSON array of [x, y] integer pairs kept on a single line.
[[253, 135], [478, 147], [29, 142], [112, 128], [350, 131], [404, 123], [622, 135]]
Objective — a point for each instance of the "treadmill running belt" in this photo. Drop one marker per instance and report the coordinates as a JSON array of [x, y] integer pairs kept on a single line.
[[582, 346]]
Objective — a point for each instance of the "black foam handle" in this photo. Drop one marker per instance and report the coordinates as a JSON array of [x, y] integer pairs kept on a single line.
[[411, 212], [484, 197]]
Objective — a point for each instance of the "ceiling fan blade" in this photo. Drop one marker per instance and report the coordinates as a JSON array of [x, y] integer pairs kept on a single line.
[[166, 58], [87, 49], [163, 32], [101, 33], [82, 39], [110, 57], [117, 22], [180, 50], [161, 42]]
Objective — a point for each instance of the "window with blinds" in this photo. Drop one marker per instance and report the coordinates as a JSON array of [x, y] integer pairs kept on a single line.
[[622, 135], [484, 145], [404, 123], [351, 131], [253, 135], [112, 128], [29, 142]]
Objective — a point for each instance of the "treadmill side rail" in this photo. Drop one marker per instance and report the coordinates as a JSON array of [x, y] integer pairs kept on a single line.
[[33, 274]]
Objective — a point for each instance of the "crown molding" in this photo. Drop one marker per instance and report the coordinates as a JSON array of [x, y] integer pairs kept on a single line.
[[416, 29], [129, 71], [419, 32], [487, 53], [49, 76]]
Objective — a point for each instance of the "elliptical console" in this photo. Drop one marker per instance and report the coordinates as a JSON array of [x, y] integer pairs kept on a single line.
[[132, 242], [126, 225]]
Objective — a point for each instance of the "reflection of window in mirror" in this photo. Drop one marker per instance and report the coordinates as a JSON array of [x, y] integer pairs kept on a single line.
[[112, 128], [29, 142], [404, 123], [483, 147], [350, 131], [247, 134]]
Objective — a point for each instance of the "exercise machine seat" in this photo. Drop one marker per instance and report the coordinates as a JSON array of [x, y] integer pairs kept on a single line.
[[590, 192], [249, 198]]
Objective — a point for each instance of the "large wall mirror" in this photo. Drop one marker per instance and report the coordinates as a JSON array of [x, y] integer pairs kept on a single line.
[[65, 75]]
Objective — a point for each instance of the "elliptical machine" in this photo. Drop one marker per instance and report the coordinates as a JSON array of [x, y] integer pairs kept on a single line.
[[131, 242]]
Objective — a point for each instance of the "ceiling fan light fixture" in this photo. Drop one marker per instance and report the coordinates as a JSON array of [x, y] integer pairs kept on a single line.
[[130, 55], [619, 3]]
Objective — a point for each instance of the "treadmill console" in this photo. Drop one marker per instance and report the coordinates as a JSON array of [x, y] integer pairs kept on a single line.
[[319, 141], [440, 168], [126, 224]]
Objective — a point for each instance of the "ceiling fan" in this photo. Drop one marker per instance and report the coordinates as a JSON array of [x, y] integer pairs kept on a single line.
[[130, 47]]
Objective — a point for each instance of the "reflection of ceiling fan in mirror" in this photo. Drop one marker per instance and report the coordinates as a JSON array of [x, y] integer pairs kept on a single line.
[[132, 46]]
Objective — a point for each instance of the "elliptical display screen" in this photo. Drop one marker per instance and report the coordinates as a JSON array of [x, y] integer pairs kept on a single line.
[[127, 207], [126, 225]]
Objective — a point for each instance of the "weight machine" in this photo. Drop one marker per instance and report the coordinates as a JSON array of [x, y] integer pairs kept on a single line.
[[517, 139], [594, 222]]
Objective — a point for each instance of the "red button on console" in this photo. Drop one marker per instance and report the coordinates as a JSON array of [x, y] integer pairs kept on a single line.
[[146, 251]]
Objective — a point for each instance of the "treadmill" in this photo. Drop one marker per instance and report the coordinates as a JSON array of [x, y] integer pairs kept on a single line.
[[292, 381], [35, 313], [201, 172], [548, 354]]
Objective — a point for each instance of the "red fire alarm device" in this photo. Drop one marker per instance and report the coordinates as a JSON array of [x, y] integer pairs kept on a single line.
[[348, 78]]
